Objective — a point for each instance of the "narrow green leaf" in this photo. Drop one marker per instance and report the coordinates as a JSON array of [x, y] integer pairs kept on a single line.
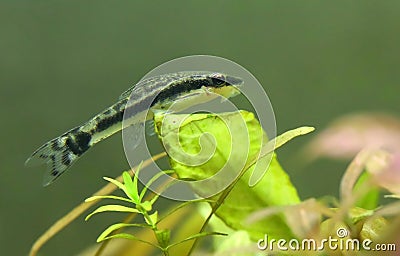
[[291, 134], [199, 235], [117, 226], [181, 205], [119, 185], [130, 237], [94, 198], [265, 154], [159, 192], [147, 206], [135, 182], [273, 144], [131, 187], [151, 181], [154, 218], [154, 199], [371, 198], [392, 196], [112, 208]]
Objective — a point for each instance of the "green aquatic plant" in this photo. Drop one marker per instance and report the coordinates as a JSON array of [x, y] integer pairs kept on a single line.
[[139, 206], [258, 205], [233, 203]]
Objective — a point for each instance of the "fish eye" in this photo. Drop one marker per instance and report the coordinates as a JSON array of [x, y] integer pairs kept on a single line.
[[218, 79]]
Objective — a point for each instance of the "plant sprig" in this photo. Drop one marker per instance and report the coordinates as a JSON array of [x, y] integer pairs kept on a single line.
[[141, 207]]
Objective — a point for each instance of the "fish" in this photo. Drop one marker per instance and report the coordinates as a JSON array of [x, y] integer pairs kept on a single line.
[[176, 91]]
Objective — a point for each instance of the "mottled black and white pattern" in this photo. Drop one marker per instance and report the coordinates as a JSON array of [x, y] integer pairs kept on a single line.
[[155, 92]]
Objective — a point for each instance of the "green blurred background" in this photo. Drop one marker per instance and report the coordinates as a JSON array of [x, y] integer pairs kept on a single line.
[[63, 61]]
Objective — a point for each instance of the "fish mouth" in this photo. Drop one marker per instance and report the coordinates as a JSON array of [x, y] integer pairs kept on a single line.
[[235, 81], [235, 84]]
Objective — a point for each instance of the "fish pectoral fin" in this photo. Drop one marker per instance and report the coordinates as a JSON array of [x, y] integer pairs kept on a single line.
[[190, 100], [133, 135], [149, 127]]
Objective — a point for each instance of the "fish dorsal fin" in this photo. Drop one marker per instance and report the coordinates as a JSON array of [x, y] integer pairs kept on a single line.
[[127, 93], [144, 82]]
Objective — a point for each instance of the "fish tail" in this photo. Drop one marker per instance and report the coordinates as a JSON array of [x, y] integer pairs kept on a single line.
[[60, 153]]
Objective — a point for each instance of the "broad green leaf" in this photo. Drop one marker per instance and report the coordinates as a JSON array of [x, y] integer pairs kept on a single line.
[[209, 144], [112, 208], [274, 188], [216, 223], [115, 227], [131, 187]]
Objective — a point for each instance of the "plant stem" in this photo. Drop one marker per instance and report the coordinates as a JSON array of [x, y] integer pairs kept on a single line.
[[155, 231]]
